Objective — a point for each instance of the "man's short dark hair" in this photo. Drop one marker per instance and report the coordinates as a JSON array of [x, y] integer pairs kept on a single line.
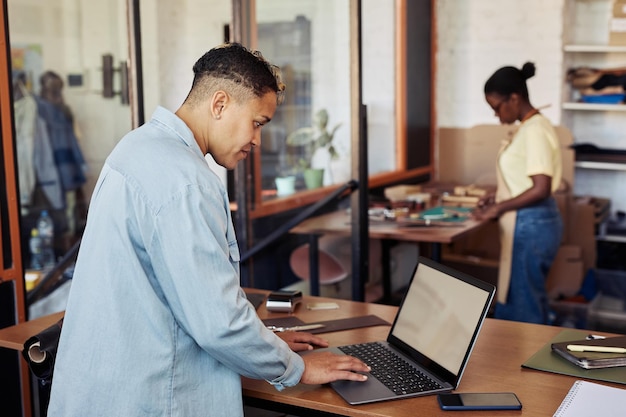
[[237, 69]]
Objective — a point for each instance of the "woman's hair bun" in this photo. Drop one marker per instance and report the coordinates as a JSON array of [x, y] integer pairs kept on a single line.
[[528, 70]]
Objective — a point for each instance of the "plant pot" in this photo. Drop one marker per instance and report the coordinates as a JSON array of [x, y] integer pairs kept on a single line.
[[285, 185], [313, 177]]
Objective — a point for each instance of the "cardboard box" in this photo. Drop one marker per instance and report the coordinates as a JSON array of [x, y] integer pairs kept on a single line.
[[619, 8], [617, 35], [617, 24], [582, 229], [566, 274]]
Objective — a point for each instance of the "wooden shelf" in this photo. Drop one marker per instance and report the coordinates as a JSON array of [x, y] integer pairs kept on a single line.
[[609, 166], [593, 107], [595, 48], [611, 238]]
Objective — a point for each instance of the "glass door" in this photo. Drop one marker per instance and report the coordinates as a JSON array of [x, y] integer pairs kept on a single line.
[[69, 73]]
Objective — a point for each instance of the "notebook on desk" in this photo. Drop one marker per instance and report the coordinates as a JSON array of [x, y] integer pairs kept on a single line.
[[431, 338]]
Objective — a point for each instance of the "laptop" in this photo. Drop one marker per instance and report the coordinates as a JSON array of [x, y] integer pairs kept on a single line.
[[433, 335]]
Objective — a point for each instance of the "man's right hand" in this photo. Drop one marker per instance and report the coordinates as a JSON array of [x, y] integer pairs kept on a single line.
[[324, 367]]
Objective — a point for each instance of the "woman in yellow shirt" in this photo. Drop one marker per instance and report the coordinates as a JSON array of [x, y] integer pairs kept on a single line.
[[529, 170]]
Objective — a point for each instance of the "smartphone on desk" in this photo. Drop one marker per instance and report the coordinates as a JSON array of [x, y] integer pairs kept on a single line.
[[479, 401]]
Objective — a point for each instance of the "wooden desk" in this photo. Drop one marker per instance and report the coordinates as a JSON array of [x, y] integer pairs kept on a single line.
[[338, 223], [495, 365]]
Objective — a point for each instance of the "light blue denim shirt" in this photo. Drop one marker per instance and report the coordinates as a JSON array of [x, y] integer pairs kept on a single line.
[[156, 322]]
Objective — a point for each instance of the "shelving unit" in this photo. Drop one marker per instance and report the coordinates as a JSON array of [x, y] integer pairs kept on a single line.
[[586, 44]]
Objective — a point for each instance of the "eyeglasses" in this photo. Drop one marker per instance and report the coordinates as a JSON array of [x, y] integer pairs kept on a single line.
[[497, 107]]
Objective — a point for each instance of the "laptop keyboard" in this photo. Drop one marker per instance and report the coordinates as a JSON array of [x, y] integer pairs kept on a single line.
[[390, 369]]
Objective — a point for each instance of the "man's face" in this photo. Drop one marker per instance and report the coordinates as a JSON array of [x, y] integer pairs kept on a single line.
[[239, 129]]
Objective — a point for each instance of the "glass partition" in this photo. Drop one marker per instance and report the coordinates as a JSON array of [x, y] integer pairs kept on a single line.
[[69, 63], [310, 135], [307, 145]]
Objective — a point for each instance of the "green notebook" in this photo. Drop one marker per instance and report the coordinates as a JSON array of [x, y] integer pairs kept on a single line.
[[548, 361]]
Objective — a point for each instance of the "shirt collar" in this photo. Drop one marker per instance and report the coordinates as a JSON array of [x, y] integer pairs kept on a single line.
[[174, 123]]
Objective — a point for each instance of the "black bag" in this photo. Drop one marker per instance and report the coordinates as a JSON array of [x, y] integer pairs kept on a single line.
[[40, 352]]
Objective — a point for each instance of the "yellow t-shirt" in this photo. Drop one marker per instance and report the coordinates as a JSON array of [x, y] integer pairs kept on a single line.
[[534, 150]]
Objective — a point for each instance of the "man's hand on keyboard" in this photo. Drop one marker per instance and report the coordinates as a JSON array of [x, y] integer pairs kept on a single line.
[[323, 367]]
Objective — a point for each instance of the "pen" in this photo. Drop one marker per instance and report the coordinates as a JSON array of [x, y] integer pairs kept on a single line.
[[603, 349], [594, 337], [303, 327]]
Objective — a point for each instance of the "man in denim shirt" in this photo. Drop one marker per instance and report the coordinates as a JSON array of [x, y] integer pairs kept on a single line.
[[156, 323]]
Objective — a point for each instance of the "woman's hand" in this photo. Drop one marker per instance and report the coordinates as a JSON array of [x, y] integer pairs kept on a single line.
[[487, 213], [300, 341], [486, 201], [486, 208]]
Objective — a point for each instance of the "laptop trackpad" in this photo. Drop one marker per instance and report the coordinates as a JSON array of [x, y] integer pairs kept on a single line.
[[354, 392]]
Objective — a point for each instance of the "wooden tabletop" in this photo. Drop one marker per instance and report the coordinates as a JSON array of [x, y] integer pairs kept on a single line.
[[338, 222], [495, 366], [14, 337]]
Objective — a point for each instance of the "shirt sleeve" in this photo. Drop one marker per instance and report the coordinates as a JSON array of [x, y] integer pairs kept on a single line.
[[196, 260], [539, 151]]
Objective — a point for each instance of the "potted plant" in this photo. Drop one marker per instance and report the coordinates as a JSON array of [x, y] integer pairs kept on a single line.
[[313, 144]]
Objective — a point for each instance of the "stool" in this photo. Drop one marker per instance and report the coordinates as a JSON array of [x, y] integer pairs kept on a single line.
[[331, 270]]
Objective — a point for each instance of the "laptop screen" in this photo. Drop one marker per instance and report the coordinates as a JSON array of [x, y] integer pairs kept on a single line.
[[441, 315]]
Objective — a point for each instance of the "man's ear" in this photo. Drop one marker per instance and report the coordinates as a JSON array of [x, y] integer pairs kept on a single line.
[[218, 103]]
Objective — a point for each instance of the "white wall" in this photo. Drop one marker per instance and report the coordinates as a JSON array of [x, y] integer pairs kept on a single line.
[[174, 35], [477, 37]]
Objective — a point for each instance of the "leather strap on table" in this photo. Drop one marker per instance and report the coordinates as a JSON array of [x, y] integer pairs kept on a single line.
[[330, 325]]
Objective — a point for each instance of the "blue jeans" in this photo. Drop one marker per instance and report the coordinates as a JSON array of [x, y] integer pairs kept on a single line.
[[538, 231]]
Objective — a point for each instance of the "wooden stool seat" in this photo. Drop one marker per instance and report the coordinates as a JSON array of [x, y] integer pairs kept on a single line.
[[331, 271]]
